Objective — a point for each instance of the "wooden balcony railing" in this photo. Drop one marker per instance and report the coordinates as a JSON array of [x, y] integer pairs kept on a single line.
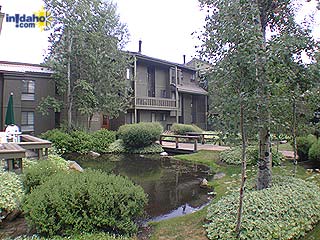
[[155, 103]]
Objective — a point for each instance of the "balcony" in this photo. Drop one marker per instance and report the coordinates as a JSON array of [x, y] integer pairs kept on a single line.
[[155, 103]]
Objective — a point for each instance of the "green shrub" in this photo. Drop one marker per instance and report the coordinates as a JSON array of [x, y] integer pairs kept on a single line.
[[285, 211], [92, 201], [233, 156], [181, 129], [82, 142], [140, 134], [39, 172], [11, 191], [102, 139], [153, 148], [61, 141], [303, 146], [314, 151], [117, 147], [85, 236]]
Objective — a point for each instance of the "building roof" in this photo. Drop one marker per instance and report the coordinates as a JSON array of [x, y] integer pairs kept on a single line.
[[191, 89], [161, 61], [23, 67]]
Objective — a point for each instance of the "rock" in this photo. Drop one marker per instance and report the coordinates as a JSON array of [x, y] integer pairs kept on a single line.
[[309, 170], [94, 154], [164, 154], [283, 141], [204, 183], [142, 156], [219, 175], [317, 170], [75, 166]]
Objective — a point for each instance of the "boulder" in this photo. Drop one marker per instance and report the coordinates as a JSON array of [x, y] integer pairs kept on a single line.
[[94, 154], [219, 175], [204, 183], [164, 154], [75, 166]]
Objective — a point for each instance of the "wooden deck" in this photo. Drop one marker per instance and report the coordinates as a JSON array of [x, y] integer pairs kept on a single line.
[[13, 153]]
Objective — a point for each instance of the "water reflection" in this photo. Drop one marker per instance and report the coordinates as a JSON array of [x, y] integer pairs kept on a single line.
[[172, 186]]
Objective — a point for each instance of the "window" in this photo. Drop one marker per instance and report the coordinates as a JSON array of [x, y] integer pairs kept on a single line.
[[27, 121], [193, 77], [128, 74], [163, 93], [163, 117], [153, 117], [28, 90]]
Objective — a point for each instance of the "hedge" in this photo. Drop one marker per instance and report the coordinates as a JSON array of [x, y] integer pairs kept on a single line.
[[74, 203], [140, 134], [181, 129], [285, 211], [314, 151], [303, 146]]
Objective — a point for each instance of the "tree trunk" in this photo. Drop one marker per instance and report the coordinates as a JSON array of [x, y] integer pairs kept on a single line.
[[265, 159], [243, 170], [294, 137], [69, 95]]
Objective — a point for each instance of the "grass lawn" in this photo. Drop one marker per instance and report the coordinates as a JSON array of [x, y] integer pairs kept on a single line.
[[190, 226]]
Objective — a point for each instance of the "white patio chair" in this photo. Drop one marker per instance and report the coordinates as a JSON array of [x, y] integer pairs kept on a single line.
[[13, 133], [3, 137]]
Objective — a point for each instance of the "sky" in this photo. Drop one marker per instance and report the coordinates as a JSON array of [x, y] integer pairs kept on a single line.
[[163, 26]]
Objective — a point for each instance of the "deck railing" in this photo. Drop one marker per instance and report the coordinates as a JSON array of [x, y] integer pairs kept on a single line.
[[156, 102]]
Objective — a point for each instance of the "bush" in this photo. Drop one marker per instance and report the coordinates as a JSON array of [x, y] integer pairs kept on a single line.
[[11, 191], [86, 236], [61, 141], [314, 151], [303, 146], [181, 129], [234, 155], [102, 139], [117, 147], [42, 170], [140, 134], [82, 142], [153, 148], [287, 210], [92, 201]]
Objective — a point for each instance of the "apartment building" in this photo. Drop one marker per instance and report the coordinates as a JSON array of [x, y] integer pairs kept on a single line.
[[29, 83], [164, 92]]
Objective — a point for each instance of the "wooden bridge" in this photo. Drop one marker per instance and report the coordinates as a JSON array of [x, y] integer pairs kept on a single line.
[[178, 144]]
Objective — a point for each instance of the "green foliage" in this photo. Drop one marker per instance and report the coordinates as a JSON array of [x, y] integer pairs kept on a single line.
[[181, 129], [39, 172], [11, 191], [140, 134], [117, 147], [233, 156], [102, 140], [92, 201], [61, 141], [303, 146], [91, 48], [150, 149], [79, 141], [85, 236], [82, 142], [314, 151], [285, 211]]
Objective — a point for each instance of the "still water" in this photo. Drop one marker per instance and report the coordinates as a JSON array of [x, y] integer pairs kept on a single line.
[[172, 186]]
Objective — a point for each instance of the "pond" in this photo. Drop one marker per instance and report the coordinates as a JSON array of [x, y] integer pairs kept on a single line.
[[173, 187]]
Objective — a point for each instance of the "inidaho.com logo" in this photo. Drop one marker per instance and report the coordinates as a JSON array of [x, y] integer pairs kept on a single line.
[[41, 19]]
